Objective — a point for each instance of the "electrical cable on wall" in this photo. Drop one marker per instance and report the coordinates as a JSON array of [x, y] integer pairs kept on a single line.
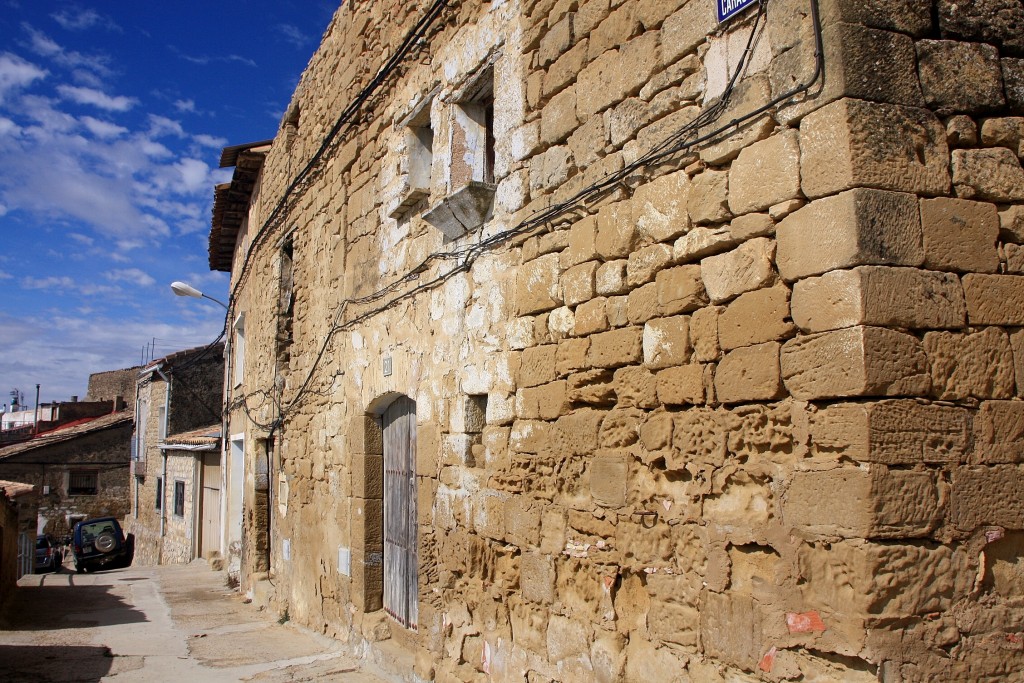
[[682, 140]]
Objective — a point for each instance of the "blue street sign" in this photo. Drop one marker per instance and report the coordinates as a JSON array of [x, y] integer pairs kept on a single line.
[[727, 9]]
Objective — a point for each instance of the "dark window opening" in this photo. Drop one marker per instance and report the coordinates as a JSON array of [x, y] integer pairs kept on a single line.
[[179, 499], [159, 493], [83, 483]]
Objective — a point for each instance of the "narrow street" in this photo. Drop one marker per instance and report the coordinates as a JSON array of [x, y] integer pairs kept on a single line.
[[157, 624]]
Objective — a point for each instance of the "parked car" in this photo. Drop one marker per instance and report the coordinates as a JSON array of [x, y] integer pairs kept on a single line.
[[100, 544], [49, 554]]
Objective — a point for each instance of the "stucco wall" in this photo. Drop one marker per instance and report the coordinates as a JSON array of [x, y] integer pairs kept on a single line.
[[750, 411]]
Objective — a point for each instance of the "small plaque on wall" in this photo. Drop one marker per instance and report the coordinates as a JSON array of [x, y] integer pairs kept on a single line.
[[387, 366]]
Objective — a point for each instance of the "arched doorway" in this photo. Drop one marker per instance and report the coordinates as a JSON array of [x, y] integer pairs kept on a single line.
[[401, 587]]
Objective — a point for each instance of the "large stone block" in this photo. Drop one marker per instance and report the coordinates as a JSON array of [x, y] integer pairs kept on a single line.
[[558, 119], [892, 432], [960, 77], [582, 242], [853, 143], [704, 334], [988, 495], [960, 235], [1013, 83], [538, 365], [708, 201], [687, 28], [659, 207], [999, 433], [667, 342], [682, 385], [978, 365], [578, 283], [994, 299], [681, 289], [635, 387], [731, 628], [856, 361], [755, 317], [765, 173], [879, 296], [537, 578], [600, 85], [616, 232], [537, 287], [750, 373], [854, 228], [862, 503], [644, 263], [879, 581], [912, 17], [617, 347], [987, 21], [642, 304], [853, 68], [993, 174], [1017, 343], [745, 268], [609, 472]]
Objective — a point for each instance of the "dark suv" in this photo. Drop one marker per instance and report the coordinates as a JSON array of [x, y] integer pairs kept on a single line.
[[100, 544]]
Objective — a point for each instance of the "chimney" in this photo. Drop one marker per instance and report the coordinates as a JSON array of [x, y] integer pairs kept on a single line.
[[119, 403], [74, 399]]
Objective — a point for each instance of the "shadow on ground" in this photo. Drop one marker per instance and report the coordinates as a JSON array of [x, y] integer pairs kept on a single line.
[[51, 606], [53, 663]]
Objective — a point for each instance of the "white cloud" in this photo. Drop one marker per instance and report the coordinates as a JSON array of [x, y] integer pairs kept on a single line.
[[201, 139], [185, 106], [161, 125], [82, 239], [5, 276], [96, 98], [131, 275], [293, 35], [16, 73], [43, 45], [83, 19], [8, 127], [52, 282], [103, 129]]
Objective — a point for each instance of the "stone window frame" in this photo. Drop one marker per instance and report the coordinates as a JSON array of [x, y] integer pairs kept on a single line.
[[238, 351], [417, 138], [469, 188]]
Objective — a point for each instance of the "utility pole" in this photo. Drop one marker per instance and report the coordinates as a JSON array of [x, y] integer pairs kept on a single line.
[[35, 427]]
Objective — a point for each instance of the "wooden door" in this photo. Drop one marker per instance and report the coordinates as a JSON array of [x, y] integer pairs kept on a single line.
[[401, 589], [209, 541]]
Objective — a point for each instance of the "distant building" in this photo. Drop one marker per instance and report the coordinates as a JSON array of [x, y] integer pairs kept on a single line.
[[79, 470], [176, 482]]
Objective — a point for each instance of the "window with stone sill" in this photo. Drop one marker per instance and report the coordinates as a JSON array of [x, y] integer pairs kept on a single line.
[[469, 178], [417, 160]]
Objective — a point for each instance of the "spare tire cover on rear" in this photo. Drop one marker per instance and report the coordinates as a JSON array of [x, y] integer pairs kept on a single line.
[[105, 542]]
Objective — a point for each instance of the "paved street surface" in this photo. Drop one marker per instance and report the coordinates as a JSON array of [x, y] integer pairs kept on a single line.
[[157, 624]]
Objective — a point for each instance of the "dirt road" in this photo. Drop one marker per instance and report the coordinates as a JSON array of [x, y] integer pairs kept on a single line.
[[157, 624]]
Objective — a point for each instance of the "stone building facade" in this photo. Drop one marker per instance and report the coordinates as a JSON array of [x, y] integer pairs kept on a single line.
[[78, 471], [595, 340], [176, 396]]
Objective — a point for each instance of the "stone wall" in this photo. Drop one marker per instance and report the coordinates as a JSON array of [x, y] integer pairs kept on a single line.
[[106, 386], [749, 412]]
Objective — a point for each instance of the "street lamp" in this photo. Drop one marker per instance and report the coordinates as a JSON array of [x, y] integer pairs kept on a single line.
[[182, 289]]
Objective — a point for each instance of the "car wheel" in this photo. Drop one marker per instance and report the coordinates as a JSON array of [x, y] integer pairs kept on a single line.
[[80, 570], [105, 542]]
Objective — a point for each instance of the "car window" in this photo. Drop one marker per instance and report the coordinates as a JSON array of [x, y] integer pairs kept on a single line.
[[42, 543]]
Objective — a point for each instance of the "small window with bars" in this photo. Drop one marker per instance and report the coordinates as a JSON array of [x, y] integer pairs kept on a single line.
[[83, 483]]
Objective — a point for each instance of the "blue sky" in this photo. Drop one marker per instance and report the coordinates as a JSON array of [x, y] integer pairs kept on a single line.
[[112, 118]]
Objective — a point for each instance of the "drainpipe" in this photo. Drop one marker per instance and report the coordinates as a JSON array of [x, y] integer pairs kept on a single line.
[[35, 428], [163, 454]]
